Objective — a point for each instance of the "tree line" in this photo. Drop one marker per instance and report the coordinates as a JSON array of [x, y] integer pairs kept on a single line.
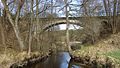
[[15, 10]]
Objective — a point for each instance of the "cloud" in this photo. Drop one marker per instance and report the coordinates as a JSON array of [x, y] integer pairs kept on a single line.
[[60, 2], [1, 5]]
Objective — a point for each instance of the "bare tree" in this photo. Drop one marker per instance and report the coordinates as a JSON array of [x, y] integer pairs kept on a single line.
[[106, 8], [3, 36], [114, 25], [67, 26], [37, 26], [30, 28], [112, 15], [14, 22]]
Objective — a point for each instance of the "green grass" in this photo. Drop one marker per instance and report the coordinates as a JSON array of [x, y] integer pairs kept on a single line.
[[115, 55], [86, 47]]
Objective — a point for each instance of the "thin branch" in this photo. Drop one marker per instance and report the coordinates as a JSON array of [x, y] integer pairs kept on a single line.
[[10, 3], [8, 13], [20, 4], [43, 10], [37, 4]]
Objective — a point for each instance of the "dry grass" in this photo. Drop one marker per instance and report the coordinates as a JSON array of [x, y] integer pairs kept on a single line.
[[11, 56], [106, 48]]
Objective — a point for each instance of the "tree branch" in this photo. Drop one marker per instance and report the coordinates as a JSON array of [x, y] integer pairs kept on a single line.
[[8, 13]]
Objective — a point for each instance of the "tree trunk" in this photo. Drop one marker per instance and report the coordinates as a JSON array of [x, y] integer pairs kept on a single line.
[[85, 7], [67, 27], [20, 41], [108, 13], [105, 6], [37, 24], [114, 17], [30, 29], [3, 36], [14, 23]]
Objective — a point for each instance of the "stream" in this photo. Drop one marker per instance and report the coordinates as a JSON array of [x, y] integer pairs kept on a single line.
[[59, 60]]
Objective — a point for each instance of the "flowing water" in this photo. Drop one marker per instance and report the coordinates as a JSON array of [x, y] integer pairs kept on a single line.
[[59, 60]]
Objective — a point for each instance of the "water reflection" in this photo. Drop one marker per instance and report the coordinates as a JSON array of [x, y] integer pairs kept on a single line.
[[75, 66], [59, 60]]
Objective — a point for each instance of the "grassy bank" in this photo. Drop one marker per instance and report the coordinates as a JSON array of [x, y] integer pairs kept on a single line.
[[115, 55], [11, 56], [102, 51]]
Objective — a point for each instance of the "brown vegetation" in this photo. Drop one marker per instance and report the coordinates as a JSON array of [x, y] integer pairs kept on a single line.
[[98, 52]]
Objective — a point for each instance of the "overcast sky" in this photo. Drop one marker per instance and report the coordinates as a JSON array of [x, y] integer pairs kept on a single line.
[[62, 26], [1, 5]]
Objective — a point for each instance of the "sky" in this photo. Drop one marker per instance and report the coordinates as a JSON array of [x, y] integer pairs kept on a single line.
[[60, 13], [1, 5], [63, 27]]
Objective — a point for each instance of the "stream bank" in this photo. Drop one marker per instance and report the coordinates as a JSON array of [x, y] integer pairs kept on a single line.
[[12, 58], [104, 54]]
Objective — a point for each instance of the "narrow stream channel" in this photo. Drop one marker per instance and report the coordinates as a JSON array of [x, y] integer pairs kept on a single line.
[[59, 60]]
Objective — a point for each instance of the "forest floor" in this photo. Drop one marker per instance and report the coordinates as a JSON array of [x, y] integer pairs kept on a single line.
[[104, 49], [12, 56]]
